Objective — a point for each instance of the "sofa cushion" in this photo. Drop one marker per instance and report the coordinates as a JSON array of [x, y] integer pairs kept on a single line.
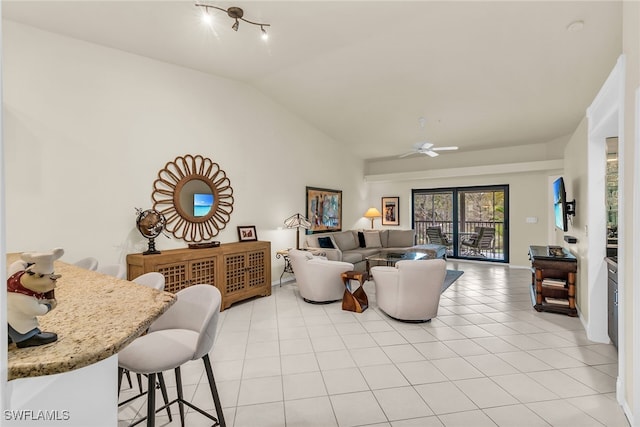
[[372, 239], [345, 240], [353, 257], [365, 252], [361, 240], [326, 242], [400, 238]]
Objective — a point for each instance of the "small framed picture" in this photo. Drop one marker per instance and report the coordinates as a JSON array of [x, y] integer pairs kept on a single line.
[[247, 233], [391, 211]]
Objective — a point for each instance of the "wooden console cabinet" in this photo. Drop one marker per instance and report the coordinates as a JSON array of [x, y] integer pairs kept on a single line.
[[556, 299], [239, 270]]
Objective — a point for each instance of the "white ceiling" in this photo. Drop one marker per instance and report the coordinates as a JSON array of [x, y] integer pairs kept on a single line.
[[484, 74]]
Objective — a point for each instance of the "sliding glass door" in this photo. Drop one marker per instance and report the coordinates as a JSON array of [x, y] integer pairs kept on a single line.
[[471, 221]]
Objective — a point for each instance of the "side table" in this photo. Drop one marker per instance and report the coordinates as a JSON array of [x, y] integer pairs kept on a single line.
[[357, 300], [284, 254]]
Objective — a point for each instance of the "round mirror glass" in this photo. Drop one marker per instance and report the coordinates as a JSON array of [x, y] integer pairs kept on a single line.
[[196, 198]]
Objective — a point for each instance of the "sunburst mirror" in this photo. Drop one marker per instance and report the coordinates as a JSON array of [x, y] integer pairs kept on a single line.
[[195, 196]]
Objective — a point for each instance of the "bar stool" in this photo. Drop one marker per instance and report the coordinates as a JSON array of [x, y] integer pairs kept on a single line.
[[185, 332], [115, 270], [88, 263]]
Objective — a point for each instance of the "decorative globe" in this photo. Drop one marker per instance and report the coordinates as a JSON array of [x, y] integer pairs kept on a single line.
[[150, 224]]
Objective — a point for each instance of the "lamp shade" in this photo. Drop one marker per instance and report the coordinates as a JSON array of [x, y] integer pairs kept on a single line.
[[297, 221], [372, 213]]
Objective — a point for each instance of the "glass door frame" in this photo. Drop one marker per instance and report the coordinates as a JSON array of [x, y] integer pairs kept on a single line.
[[455, 194]]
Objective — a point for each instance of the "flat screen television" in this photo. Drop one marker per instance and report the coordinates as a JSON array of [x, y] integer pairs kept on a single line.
[[202, 204], [560, 204]]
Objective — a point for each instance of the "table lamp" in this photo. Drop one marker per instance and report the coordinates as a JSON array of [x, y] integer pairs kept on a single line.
[[372, 213], [297, 221]]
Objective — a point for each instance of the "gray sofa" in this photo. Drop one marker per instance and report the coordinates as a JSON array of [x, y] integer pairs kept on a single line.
[[348, 246]]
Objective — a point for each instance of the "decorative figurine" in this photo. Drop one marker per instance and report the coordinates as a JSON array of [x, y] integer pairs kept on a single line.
[[30, 294]]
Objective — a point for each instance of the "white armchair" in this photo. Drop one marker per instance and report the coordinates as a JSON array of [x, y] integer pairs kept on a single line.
[[410, 291], [318, 278]]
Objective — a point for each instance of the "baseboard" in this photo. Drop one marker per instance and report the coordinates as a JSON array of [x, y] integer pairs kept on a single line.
[[628, 413]]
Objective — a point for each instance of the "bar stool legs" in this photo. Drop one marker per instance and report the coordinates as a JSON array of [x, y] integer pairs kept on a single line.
[[151, 397], [214, 389]]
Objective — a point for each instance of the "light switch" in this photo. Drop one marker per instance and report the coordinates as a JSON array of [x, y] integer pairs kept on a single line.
[[532, 220]]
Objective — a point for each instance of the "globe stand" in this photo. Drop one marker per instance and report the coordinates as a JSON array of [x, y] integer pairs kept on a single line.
[[150, 224], [151, 250]]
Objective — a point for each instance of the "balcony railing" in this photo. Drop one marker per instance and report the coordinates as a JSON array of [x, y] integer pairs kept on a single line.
[[465, 229]]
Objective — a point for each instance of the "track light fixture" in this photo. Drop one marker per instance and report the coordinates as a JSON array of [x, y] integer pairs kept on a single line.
[[234, 13]]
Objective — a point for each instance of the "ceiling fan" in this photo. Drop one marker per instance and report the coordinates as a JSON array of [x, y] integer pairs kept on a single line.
[[426, 148]]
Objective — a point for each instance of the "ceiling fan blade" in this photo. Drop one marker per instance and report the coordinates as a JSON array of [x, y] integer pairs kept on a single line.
[[424, 145], [430, 153], [406, 154], [445, 148]]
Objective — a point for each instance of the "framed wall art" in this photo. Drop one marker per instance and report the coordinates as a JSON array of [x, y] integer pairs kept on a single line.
[[247, 233], [391, 211], [324, 209]]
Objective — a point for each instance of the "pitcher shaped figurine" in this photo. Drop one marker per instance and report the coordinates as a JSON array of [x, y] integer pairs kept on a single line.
[[29, 294]]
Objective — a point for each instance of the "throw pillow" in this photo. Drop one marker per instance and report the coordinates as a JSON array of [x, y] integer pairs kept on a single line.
[[363, 243], [372, 239], [325, 243]]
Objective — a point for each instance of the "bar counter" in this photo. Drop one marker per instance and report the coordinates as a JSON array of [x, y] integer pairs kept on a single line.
[[96, 316]]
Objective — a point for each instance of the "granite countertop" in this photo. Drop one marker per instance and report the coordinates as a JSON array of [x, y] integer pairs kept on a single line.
[[96, 317]]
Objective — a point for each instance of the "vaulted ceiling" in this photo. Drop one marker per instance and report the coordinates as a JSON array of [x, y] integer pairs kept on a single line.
[[484, 74]]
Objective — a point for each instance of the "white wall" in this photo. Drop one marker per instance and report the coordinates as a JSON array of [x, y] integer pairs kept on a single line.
[[87, 129], [629, 252], [576, 185]]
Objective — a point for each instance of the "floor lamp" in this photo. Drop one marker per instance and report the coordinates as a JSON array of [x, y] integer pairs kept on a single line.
[[297, 221], [372, 213]]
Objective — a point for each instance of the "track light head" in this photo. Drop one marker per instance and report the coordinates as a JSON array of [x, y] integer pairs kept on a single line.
[[206, 17], [235, 26], [235, 13]]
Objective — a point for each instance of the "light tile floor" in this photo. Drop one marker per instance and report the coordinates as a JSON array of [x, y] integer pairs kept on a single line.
[[488, 359]]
